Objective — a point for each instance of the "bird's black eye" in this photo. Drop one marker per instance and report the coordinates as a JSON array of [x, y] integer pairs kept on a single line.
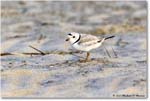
[[70, 34], [73, 36]]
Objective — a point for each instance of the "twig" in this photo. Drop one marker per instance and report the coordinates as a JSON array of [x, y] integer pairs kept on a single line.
[[107, 52], [37, 50], [115, 53], [32, 53], [3, 54]]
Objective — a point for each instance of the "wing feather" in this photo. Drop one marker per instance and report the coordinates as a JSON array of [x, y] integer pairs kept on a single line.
[[88, 40]]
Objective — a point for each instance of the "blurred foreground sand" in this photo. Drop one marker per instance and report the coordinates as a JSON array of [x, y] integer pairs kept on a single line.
[[59, 74]]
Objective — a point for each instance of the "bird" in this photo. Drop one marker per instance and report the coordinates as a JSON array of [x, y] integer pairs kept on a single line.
[[85, 42]]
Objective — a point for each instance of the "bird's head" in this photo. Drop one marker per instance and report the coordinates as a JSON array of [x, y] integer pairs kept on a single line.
[[73, 37]]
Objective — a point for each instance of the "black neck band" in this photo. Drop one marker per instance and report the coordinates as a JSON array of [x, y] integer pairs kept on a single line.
[[78, 39]]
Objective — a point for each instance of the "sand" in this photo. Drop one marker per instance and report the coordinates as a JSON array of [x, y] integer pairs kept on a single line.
[[59, 74]]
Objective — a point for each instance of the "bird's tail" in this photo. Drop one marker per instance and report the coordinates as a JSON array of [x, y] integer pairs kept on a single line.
[[105, 39], [109, 37]]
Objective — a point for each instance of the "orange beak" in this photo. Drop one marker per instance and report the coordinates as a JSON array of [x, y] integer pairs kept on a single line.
[[67, 39]]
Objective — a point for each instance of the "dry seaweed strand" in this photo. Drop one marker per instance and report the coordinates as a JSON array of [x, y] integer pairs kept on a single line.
[[114, 52], [107, 52], [3, 54], [32, 53], [42, 53]]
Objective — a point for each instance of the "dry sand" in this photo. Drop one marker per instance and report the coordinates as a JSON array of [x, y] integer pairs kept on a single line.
[[59, 74]]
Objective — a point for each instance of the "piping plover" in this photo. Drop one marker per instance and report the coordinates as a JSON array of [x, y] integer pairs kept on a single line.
[[85, 42]]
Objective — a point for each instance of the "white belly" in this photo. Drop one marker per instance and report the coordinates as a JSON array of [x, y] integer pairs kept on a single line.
[[86, 48]]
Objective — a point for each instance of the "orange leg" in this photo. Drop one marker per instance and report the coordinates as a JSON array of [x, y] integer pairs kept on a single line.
[[87, 56], [86, 59]]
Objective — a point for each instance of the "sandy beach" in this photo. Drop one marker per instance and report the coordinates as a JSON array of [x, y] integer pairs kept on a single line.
[[26, 73]]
